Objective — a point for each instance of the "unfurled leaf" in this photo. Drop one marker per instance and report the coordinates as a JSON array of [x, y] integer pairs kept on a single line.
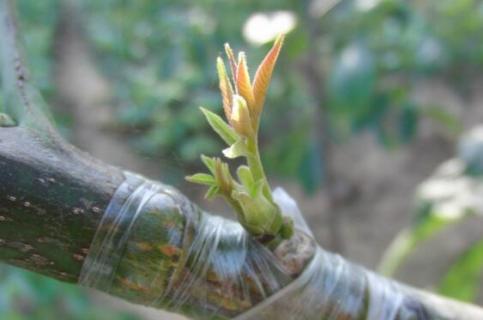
[[209, 163], [240, 117], [232, 60], [245, 176], [212, 191], [250, 197], [221, 127], [223, 177], [202, 178], [238, 149], [243, 83], [264, 74], [225, 87]]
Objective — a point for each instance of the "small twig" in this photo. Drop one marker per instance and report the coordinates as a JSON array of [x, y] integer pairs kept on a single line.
[[23, 102]]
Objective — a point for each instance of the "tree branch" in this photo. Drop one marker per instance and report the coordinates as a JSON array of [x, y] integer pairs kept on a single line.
[[51, 194], [51, 201]]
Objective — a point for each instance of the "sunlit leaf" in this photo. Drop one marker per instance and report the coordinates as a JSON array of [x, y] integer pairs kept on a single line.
[[238, 149], [240, 117], [220, 127], [225, 87], [243, 81], [212, 191], [232, 61], [246, 178], [264, 73], [202, 178], [209, 163]]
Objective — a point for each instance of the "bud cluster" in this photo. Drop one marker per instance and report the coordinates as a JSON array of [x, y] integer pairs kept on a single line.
[[250, 194]]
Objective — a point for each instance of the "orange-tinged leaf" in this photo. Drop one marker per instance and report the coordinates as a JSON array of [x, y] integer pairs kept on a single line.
[[225, 87], [240, 117], [232, 60], [264, 74], [243, 83]]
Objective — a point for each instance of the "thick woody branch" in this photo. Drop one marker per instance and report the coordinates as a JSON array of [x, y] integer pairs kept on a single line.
[[51, 201], [51, 194]]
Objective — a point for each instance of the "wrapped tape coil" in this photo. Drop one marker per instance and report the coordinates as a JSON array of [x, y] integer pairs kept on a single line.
[[154, 247]]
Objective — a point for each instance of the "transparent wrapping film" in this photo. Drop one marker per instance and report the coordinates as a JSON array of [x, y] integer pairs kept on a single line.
[[154, 247]]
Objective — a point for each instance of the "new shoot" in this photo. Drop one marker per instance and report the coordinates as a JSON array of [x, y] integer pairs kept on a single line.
[[249, 193]]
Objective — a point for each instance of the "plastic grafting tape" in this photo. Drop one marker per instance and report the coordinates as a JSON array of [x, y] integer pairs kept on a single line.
[[324, 277], [113, 231], [298, 283], [386, 297]]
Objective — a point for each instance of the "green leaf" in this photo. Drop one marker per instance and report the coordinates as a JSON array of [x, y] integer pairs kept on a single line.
[[220, 127], [202, 178], [464, 278], [212, 191], [245, 176], [209, 163], [238, 149]]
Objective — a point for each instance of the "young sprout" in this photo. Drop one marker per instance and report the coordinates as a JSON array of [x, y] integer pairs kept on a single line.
[[249, 193]]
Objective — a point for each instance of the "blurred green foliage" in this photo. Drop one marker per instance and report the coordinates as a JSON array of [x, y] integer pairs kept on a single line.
[[37, 20], [463, 279], [160, 56], [28, 296]]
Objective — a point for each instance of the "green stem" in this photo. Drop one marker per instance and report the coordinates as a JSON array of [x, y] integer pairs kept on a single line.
[[255, 164], [397, 252], [234, 204]]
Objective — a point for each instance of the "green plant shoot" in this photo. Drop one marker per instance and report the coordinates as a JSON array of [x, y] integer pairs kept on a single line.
[[249, 193]]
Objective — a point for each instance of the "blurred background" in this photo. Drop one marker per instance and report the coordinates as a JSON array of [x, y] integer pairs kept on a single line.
[[370, 122]]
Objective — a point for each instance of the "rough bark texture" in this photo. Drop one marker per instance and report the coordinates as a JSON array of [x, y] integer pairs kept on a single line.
[[51, 202], [51, 194]]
